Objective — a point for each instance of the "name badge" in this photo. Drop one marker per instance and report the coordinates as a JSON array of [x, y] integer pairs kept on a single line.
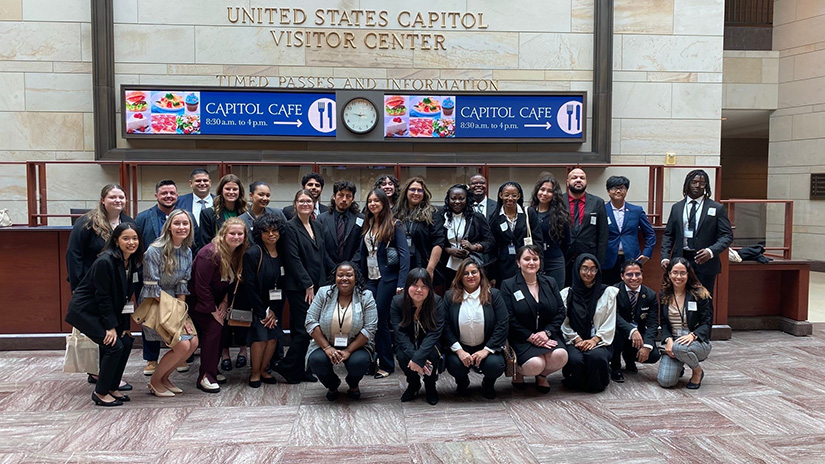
[[340, 341], [592, 331], [503, 226], [688, 234], [359, 222], [711, 211], [372, 261], [593, 220], [409, 241], [681, 332], [609, 222], [692, 306], [528, 241], [135, 278], [275, 295], [128, 308], [511, 249], [518, 295], [283, 271]]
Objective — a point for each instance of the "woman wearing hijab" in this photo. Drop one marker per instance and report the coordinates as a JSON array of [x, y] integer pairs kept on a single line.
[[589, 327]]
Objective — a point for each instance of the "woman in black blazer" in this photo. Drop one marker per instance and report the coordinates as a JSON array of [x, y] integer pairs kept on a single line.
[[547, 203], [475, 328], [686, 317], [97, 305], [423, 227], [307, 267], [381, 232], [418, 319], [465, 233], [91, 232], [536, 315], [509, 228]]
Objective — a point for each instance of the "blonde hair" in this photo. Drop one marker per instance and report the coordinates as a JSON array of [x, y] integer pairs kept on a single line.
[[98, 219], [167, 245], [231, 262]]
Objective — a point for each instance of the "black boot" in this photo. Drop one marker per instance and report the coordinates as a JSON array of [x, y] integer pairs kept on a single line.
[[412, 389], [488, 388], [429, 387]]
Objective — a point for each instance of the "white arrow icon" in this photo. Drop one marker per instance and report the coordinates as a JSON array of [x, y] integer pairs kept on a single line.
[[545, 125], [289, 123]]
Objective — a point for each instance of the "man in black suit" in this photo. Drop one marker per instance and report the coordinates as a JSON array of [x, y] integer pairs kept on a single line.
[[313, 182], [698, 229], [637, 322], [342, 223], [481, 204], [589, 233]]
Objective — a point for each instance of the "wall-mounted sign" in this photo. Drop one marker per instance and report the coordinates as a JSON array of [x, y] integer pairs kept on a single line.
[[485, 116], [237, 113]]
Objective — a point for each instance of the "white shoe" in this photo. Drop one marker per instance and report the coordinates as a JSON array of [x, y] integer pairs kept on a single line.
[[184, 367], [208, 387]]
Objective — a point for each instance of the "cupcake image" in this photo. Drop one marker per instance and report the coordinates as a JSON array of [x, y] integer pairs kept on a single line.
[[192, 102], [447, 106]]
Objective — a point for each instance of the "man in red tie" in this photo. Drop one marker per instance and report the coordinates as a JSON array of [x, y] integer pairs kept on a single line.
[[588, 231]]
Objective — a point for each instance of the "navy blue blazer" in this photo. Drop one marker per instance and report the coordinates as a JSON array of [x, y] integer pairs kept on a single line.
[[147, 223], [389, 274], [634, 219], [185, 202]]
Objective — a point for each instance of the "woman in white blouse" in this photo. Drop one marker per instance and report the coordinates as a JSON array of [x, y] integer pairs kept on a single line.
[[475, 328], [589, 327], [342, 321]]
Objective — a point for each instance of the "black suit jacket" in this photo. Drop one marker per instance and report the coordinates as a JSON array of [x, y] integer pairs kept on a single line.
[[148, 224], [352, 236], [526, 314], [592, 236], [390, 274], [496, 321], [405, 336], [83, 248], [97, 303], [424, 238], [307, 263], [645, 315], [289, 211], [504, 238], [700, 320], [491, 208], [712, 232]]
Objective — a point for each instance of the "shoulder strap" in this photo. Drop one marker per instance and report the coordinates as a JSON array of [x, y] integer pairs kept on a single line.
[[260, 259], [527, 223]]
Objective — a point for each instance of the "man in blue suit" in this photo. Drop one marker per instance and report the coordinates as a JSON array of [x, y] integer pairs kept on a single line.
[[623, 223], [200, 198], [150, 223]]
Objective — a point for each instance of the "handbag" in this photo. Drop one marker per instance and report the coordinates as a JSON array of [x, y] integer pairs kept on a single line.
[[5, 219], [392, 256], [509, 360], [82, 354], [238, 317]]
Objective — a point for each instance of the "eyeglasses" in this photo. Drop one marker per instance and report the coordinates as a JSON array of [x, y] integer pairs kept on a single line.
[[621, 188], [633, 274], [698, 183], [415, 190], [510, 197], [589, 270], [305, 202], [678, 273]]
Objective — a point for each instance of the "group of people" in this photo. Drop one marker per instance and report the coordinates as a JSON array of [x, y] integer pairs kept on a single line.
[[472, 284]]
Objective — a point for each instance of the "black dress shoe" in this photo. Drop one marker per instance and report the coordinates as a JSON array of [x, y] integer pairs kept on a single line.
[[123, 398], [308, 377], [543, 389], [617, 376], [226, 365], [431, 393], [240, 361], [631, 367], [332, 395], [125, 387], [354, 394], [462, 386], [254, 383], [695, 386], [91, 378], [100, 402], [410, 393], [269, 380], [488, 389]]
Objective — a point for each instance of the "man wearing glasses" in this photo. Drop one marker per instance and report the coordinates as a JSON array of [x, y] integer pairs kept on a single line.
[[698, 230], [623, 223], [637, 322]]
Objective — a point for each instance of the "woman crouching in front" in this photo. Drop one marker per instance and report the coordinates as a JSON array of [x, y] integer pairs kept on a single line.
[[96, 309], [476, 322], [342, 321]]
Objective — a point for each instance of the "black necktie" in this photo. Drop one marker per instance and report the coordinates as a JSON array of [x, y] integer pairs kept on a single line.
[[692, 215], [340, 230], [577, 220], [633, 298]]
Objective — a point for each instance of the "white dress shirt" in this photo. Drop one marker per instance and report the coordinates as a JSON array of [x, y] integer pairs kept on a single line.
[[197, 206], [481, 206], [470, 322]]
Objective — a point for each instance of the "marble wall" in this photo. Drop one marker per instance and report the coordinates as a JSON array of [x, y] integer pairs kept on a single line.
[[667, 64], [797, 131]]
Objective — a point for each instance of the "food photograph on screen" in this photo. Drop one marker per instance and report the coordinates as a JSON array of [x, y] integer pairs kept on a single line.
[[419, 116], [174, 112]]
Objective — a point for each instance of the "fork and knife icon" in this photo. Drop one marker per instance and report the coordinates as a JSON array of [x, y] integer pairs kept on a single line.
[[324, 108]]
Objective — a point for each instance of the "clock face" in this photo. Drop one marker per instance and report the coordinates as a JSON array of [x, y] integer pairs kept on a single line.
[[360, 115]]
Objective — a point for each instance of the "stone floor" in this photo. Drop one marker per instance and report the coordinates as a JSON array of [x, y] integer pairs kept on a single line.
[[762, 400]]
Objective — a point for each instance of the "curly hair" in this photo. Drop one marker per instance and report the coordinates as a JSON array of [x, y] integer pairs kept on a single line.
[[468, 205], [360, 282], [693, 285], [395, 182], [559, 215], [266, 222]]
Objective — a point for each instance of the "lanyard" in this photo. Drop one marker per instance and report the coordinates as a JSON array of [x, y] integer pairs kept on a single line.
[[342, 316], [455, 228], [681, 310]]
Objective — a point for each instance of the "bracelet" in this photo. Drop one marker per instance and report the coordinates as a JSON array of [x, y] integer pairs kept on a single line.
[[325, 348]]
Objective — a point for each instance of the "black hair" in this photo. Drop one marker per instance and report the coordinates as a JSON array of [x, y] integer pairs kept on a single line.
[[427, 316], [360, 283], [628, 263], [468, 205], [618, 181], [500, 202], [559, 215], [264, 223], [197, 171], [693, 174], [256, 184], [312, 175], [112, 248], [344, 185], [164, 183], [395, 182]]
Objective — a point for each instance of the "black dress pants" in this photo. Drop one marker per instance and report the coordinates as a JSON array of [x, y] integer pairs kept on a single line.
[[357, 365], [587, 370], [623, 348], [492, 366], [292, 365], [113, 360], [413, 377]]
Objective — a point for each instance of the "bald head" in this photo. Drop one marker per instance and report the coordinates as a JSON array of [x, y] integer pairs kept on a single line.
[[577, 181]]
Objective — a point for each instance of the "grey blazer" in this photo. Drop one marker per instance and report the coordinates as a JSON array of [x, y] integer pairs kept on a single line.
[[364, 316]]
